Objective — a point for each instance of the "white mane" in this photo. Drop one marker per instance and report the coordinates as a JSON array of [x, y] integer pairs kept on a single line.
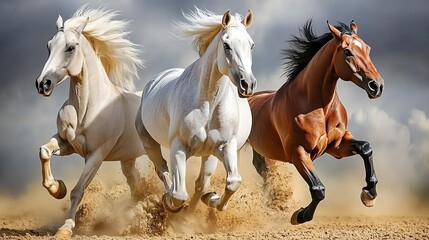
[[203, 25], [118, 55]]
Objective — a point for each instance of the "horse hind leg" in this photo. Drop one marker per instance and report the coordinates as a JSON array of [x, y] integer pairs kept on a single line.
[[132, 175], [153, 151], [56, 146], [260, 164]]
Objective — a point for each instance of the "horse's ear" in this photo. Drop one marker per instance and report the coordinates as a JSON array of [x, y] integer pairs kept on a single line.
[[335, 32], [59, 23], [82, 26], [247, 21], [354, 27], [226, 18]]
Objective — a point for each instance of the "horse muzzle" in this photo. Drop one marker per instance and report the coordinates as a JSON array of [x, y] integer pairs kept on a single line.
[[374, 88], [44, 86], [246, 86]]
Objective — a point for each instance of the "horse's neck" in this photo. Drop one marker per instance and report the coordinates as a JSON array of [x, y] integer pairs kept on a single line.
[[318, 79], [91, 86], [211, 86]]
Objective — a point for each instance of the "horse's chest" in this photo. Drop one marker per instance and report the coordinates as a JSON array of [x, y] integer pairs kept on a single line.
[[70, 130], [203, 133], [318, 131]]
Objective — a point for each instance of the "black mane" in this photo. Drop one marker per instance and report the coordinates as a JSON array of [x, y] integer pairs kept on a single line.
[[305, 46]]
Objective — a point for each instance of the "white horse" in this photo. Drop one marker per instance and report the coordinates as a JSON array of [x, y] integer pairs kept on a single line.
[[97, 120], [201, 110]]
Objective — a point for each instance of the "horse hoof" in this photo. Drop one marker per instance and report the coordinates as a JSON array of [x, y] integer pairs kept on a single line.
[[367, 199], [294, 219], [167, 207], [62, 190], [63, 233], [210, 199]]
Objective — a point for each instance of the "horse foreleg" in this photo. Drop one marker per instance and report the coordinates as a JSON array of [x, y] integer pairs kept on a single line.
[[233, 178], [305, 167], [56, 146], [92, 164], [202, 184], [174, 199], [133, 176], [349, 147]]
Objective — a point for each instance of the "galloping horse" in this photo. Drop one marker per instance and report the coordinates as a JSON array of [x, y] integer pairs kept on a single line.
[[305, 118], [97, 120], [201, 110]]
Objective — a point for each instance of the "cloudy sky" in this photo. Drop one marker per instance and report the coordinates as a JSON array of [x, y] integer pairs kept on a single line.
[[397, 124]]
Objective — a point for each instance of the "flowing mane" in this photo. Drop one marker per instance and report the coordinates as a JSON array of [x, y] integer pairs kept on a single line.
[[305, 46], [118, 55], [203, 25]]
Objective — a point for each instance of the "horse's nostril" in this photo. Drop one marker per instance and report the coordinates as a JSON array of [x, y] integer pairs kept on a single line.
[[47, 84], [244, 84], [373, 85]]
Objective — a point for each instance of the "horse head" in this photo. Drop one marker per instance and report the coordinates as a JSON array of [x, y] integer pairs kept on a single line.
[[235, 53], [65, 58], [352, 61]]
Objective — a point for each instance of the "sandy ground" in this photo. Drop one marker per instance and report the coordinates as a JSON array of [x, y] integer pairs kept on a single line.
[[357, 227], [257, 211]]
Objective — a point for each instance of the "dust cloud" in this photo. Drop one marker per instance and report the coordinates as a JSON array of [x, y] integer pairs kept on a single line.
[[107, 207]]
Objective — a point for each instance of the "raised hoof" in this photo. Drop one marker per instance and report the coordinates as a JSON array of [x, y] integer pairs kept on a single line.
[[210, 199], [294, 219], [367, 199], [168, 208], [62, 190], [63, 233]]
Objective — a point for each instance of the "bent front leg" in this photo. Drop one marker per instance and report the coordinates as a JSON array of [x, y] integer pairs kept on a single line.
[[349, 147], [56, 146], [305, 167]]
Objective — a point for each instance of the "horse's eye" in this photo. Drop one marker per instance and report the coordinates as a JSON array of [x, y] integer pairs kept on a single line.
[[348, 53], [70, 49], [226, 46], [253, 45]]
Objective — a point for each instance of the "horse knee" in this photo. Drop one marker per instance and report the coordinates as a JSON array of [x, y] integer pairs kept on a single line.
[[44, 153], [364, 149], [318, 192]]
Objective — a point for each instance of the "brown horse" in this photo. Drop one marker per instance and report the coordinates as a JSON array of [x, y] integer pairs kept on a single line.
[[305, 118]]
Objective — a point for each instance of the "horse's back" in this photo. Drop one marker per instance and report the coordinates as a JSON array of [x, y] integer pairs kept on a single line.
[[161, 80]]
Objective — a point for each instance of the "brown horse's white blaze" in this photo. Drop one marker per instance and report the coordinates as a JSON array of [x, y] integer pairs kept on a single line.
[[305, 118]]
